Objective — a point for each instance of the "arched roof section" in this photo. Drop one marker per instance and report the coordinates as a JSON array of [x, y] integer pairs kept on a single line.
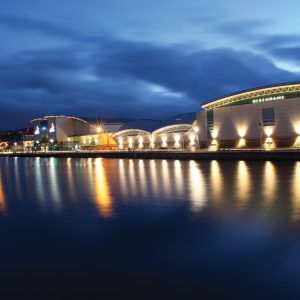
[[141, 124], [60, 116], [260, 94], [187, 118], [130, 132], [177, 128]]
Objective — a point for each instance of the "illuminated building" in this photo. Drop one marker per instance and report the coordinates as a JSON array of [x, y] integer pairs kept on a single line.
[[69, 133], [177, 133], [266, 117]]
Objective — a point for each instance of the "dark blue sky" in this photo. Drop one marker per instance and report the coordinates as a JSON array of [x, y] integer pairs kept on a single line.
[[138, 58]]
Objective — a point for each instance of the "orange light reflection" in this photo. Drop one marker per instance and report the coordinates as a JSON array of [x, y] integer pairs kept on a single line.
[[103, 196], [3, 206]]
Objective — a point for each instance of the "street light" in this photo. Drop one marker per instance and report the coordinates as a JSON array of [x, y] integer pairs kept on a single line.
[[99, 129]]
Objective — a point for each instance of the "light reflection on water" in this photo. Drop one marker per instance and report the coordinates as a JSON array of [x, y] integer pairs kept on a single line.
[[3, 206], [296, 192], [149, 222], [103, 198], [243, 182], [56, 185]]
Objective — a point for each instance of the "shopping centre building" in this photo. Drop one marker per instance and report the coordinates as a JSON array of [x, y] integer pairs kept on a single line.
[[178, 132], [267, 117], [73, 133], [69, 133]]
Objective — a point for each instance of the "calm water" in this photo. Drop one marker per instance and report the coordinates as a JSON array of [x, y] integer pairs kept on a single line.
[[155, 229]]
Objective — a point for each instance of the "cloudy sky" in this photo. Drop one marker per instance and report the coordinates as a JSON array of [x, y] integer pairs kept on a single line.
[[139, 58]]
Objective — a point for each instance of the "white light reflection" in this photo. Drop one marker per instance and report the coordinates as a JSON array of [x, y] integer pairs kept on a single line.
[[142, 178], [269, 183], [154, 178], [123, 178], [70, 178], [39, 182], [54, 185], [178, 177], [216, 181], [17, 178], [166, 178], [132, 178], [296, 193], [197, 187], [243, 183]]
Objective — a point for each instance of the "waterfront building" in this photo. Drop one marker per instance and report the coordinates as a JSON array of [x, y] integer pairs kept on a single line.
[[73, 133], [266, 117], [178, 132]]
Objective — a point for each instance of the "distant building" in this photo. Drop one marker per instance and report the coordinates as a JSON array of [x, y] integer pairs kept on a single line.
[[69, 133]]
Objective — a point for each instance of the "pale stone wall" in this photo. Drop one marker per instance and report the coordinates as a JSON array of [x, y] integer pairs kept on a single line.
[[233, 122]]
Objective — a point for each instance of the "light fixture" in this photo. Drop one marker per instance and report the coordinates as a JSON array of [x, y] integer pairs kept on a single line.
[[99, 129]]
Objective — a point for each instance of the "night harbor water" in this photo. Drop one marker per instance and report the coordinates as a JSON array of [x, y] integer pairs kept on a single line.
[[94, 228]]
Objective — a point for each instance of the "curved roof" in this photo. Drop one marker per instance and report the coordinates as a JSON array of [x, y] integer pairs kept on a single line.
[[142, 124], [173, 128], [187, 118], [60, 116], [130, 132], [282, 89]]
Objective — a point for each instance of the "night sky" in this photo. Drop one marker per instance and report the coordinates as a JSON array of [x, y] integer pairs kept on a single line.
[[138, 58]]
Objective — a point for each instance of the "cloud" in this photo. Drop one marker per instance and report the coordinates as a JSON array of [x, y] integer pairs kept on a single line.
[[101, 76], [19, 23], [200, 74]]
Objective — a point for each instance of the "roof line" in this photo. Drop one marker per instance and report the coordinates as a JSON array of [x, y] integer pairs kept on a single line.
[[250, 90], [58, 116]]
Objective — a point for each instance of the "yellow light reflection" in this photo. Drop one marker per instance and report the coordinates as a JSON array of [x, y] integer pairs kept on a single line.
[[3, 206], [296, 193], [216, 181], [103, 197], [243, 183], [270, 182]]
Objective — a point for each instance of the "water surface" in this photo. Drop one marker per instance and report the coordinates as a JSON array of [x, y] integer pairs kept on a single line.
[[157, 229]]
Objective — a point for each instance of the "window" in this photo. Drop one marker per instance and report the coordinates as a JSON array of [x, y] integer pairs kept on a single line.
[[210, 122], [268, 117]]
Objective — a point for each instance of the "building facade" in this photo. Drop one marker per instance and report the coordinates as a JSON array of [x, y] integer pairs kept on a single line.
[[177, 133], [73, 133], [267, 117]]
